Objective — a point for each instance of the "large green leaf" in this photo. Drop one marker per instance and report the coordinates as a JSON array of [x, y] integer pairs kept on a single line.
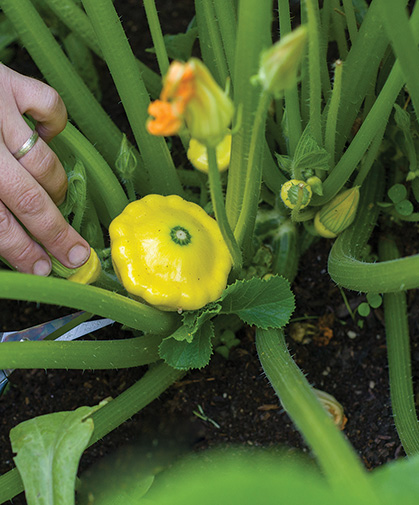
[[263, 303], [48, 452]]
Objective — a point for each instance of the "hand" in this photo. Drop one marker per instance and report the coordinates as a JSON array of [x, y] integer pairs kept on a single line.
[[33, 186]]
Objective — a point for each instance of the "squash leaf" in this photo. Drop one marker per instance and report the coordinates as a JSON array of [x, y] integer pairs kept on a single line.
[[191, 352], [263, 303]]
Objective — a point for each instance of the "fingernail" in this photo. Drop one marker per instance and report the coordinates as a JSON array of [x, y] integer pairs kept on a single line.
[[78, 255], [42, 267]]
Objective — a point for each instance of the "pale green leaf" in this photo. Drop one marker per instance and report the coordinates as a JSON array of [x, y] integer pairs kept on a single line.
[[309, 155], [48, 452]]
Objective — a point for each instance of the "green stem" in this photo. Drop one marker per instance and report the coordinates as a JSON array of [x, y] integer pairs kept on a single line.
[[350, 19], [82, 355], [151, 386], [399, 361], [59, 72], [339, 29], [219, 208], [16, 286], [314, 70], [134, 96], [378, 115], [361, 66], [405, 46], [253, 35], [292, 101], [371, 156], [337, 458], [381, 277], [245, 224], [210, 40], [110, 416], [226, 16], [156, 35], [332, 114], [77, 21]]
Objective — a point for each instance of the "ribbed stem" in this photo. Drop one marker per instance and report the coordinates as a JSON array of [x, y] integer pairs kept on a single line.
[[81, 355], [217, 199], [226, 17], [314, 70], [156, 35], [251, 194], [253, 35], [16, 286], [399, 360], [336, 457], [351, 273], [361, 66], [134, 96], [350, 19], [77, 21], [210, 40], [332, 114], [292, 100], [405, 46]]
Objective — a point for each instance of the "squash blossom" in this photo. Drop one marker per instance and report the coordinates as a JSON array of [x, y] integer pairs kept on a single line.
[[197, 154], [338, 214], [191, 97], [295, 193], [169, 252], [89, 272]]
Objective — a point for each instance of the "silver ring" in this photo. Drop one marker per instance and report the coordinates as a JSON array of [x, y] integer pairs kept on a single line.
[[27, 146]]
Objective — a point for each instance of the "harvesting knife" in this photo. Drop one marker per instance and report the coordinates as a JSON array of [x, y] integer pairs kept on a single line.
[[55, 329]]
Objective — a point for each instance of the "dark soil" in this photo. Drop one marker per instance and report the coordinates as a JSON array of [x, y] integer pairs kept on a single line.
[[340, 358]]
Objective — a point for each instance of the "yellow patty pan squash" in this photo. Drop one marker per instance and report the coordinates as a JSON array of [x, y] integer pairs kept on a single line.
[[169, 252]]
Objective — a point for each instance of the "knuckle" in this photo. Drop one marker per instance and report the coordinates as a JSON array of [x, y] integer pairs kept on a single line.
[[59, 235], [47, 164], [52, 100], [24, 252], [5, 220], [29, 202]]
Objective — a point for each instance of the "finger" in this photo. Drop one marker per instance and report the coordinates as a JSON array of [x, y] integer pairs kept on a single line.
[[41, 102], [33, 207], [41, 162], [18, 248]]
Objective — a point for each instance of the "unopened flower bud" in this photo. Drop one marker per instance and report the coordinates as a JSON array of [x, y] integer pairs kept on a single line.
[[279, 64], [296, 194], [338, 214], [316, 184], [126, 162], [197, 154]]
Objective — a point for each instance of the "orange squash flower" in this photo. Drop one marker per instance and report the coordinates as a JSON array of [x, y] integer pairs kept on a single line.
[[191, 97]]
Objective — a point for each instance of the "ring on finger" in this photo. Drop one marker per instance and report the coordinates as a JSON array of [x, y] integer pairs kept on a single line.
[[27, 146]]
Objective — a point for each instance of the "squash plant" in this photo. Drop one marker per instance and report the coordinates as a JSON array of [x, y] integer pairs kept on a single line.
[[306, 146]]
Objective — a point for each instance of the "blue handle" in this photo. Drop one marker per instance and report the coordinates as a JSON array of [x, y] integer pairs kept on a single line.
[[3, 381]]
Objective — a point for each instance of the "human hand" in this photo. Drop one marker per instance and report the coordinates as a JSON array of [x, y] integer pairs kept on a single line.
[[33, 186]]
